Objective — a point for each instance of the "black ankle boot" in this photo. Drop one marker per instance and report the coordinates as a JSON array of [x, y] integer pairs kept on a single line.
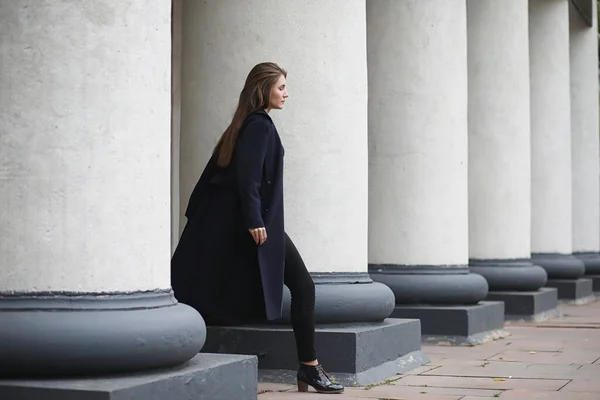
[[316, 377]]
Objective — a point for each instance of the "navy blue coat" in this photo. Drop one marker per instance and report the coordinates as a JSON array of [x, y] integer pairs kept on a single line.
[[217, 267]]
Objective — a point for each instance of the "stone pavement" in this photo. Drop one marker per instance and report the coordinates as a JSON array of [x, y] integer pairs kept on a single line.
[[558, 359]]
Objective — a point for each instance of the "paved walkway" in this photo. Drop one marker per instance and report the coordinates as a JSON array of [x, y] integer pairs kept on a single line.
[[553, 360]]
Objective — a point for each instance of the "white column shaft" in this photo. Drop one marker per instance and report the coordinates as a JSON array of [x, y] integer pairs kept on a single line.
[[499, 130], [550, 126], [84, 145], [584, 132], [417, 54]]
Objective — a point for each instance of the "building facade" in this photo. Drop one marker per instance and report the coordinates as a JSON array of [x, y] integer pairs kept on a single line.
[[442, 176]]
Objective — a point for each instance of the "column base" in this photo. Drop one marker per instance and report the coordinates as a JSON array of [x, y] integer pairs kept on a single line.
[[591, 260], [572, 289], [457, 325], [346, 297], [431, 284], [206, 376], [559, 266], [510, 275], [595, 282], [530, 306], [74, 334], [354, 354]]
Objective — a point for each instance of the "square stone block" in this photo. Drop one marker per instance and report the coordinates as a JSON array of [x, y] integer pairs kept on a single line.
[[527, 305], [572, 289], [206, 377], [354, 354], [472, 324], [595, 282]]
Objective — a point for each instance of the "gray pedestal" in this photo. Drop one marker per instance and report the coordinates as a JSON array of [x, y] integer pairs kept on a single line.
[[572, 289], [353, 353], [510, 275], [595, 282], [559, 266], [538, 304], [591, 260], [206, 377], [469, 324]]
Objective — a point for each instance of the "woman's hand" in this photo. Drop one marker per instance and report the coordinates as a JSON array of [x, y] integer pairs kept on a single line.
[[259, 235]]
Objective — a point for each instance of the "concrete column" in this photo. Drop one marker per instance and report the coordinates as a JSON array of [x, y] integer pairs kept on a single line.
[[418, 197], [500, 157], [84, 216], [85, 210], [584, 141], [551, 183], [324, 132]]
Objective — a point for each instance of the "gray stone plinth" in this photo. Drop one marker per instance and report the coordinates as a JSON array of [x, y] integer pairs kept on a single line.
[[470, 324], [510, 275], [591, 261], [559, 266], [431, 284], [62, 334], [572, 289], [357, 353], [527, 305], [595, 282], [206, 377], [346, 297]]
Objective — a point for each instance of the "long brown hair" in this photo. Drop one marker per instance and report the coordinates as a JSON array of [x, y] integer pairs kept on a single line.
[[254, 96]]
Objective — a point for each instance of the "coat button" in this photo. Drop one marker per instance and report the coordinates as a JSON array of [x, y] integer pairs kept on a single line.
[[269, 182]]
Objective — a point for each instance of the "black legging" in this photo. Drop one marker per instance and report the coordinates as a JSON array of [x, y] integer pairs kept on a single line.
[[302, 289]]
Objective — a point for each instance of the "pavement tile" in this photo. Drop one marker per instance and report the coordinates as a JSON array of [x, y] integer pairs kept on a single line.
[[584, 385], [481, 383], [576, 356], [588, 371], [273, 387], [472, 398], [475, 353], [422, 369], [538, 357], [356, 395], [456, 362], [302, 396], [528, 344], [408, 391], [552, 360], [524, 394], [389, 392], [495, 369]]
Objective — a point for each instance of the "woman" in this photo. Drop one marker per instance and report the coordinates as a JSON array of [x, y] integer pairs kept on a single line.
[[234, 256]]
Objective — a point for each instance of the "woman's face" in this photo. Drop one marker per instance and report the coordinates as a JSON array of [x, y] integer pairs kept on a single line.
[[278, 94]]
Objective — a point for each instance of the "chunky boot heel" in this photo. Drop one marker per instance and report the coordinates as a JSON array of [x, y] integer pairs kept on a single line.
[[302, 386], [316, 377]]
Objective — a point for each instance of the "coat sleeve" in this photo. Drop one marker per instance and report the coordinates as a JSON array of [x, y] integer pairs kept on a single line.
[[251, 152]]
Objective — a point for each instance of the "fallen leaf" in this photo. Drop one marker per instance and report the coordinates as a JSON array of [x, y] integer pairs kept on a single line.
[[532, 352], [499, 379]]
